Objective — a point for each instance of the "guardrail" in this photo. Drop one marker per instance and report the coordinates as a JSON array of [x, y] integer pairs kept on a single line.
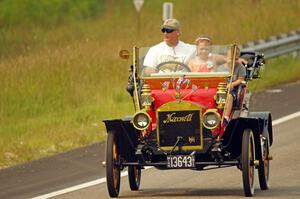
[[276, 45]]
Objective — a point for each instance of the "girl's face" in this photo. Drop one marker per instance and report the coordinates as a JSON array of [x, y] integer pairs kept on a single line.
[[203, 49]]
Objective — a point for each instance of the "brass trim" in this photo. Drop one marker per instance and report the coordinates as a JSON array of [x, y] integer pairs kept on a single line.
[[180, 106], [256, 163], [135, 65], [270, 157], [221, 90], [190, 76], [146, 98], [184, 148]]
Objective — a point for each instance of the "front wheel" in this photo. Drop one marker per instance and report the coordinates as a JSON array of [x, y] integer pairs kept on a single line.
[[248, 157], [113, 170], [134, 176], [264, 165]]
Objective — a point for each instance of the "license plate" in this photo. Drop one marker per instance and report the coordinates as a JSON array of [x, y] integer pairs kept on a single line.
[[180, 161]]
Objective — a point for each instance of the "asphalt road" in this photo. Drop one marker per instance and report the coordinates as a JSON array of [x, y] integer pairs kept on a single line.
[[82, 165]]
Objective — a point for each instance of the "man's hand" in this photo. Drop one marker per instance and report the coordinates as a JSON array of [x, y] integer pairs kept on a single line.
[[148, 70]]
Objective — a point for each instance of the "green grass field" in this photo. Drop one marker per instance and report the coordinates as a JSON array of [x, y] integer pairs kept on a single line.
[[60, 74]]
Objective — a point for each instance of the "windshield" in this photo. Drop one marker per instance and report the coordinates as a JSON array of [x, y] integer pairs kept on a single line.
[[202, 60]]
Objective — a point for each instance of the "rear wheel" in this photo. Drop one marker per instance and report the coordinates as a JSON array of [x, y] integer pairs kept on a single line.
[[264, 165], [134, 176], [248, 157], [113, 170]]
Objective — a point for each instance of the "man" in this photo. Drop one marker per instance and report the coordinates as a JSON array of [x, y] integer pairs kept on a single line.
[[171, 49]]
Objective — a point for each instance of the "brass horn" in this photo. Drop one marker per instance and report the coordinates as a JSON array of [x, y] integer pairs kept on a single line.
[[124, 54]]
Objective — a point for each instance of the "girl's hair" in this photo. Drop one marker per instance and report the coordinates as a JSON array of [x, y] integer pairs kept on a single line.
[[203, 38]]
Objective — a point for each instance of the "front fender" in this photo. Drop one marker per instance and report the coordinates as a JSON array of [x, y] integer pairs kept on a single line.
[[259, 122], [126, 135], [233, 135], [265, 122]]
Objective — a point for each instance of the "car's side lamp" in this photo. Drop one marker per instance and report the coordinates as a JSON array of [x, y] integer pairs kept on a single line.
[[124, 54], [220, 96], [147, 99]]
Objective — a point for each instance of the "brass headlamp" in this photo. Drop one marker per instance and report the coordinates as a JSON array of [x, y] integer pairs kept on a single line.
[[211, 119], [141, 120]]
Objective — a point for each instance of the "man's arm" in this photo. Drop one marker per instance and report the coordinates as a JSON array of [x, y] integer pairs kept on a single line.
[[150, 58]]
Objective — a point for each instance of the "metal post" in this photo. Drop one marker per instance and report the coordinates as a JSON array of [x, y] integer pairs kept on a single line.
[[138, 6], [138, 25]]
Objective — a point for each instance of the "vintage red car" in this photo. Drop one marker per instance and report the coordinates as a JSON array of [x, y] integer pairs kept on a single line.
[[179, 123]]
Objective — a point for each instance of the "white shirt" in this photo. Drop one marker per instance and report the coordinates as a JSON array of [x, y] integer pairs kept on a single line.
[[161, 52]]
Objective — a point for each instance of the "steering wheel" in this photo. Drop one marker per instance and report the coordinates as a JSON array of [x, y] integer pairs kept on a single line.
[[172, 66]]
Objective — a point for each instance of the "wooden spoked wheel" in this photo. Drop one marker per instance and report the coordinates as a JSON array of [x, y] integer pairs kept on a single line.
[[113, 170], [134, 176], [264, 164], [248, 157]]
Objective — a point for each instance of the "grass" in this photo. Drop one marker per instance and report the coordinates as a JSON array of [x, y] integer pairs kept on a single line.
[[277, 71], [62, 76], [48, 12]]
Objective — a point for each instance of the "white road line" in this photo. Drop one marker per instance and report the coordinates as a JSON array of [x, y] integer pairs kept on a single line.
[[80, 186], [286, 118], [77, 187], [124, 173]]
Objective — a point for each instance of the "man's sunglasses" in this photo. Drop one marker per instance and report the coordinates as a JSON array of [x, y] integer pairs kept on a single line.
[[166, 30]]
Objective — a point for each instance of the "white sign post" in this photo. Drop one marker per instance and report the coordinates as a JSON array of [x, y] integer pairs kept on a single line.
[[138, 4], [167, 11]]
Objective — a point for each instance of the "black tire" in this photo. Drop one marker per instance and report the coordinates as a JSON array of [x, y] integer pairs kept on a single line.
[[134, 176], [264, 164], [248, 157], [113, 171]]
